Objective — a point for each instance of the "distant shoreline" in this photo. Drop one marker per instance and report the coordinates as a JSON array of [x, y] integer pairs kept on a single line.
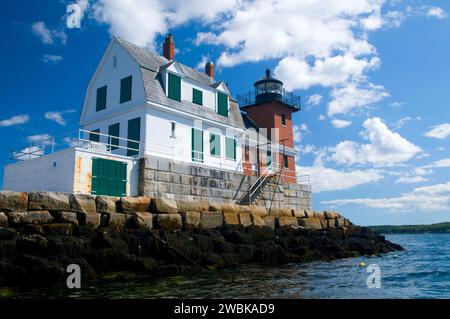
[[439, 228]]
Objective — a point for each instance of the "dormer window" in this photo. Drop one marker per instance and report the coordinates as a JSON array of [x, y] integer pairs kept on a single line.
[[222, 104], [197, 97], [174, 89]]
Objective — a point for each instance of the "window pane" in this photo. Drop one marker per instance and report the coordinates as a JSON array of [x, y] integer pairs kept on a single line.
[[283, 119], [231, 148], [101, 98], [286, 161], [125, 89], [94, 137], [214, 143], [197, 145]]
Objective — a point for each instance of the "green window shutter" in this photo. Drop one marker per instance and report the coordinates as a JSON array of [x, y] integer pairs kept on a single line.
[[101, 98], [174, 91], [125, 89], [283, 119], [222, 104], [230, 146], [197, 97], [285, 161], [114, 130], [134, 133], [197, 145], [214, 144], [94, 137]]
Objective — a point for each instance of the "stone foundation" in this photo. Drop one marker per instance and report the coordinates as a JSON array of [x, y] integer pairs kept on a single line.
[[177, 180]]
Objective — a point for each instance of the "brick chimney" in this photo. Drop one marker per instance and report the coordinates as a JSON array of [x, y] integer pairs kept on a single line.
[[169, 47], [209, 69]]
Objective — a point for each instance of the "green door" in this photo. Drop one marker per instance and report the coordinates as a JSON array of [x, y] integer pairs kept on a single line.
[[109, 177]]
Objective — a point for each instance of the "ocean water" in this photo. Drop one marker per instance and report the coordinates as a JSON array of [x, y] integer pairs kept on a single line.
[[421, 271]]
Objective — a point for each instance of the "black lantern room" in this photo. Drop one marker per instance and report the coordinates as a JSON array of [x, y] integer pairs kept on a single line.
[[268, 89]]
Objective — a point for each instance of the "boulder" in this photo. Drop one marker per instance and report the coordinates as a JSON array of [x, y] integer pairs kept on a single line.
[[282, 212], [13, 201], [269, 221], [7, 233], [320, 215], [62, 229], [324, 223], [244, 209], [107, 204], [215, 207], [310, 223], [230, 208], [330, 215], [191, 220], [141, 220], [3, 220], [48, 201], [82, 203], [258, 210], [230, 219], [340, 222], [66, 217], [287, 221], [299, 213], [211, 220], [184, 206], [245, 219], [135, 204], [309, 213], [163, 206], [257, 220], [90, 220], [169, 221], [331, 223], [32, 217], [117, 221]]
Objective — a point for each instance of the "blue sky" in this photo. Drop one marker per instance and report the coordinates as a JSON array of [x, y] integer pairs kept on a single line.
[[374, 130]]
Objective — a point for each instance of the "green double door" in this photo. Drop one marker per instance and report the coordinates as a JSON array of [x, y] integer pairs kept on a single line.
[[109, 177]]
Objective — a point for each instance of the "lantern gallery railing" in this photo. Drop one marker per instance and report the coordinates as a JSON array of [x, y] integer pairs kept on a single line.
[[281, 95]]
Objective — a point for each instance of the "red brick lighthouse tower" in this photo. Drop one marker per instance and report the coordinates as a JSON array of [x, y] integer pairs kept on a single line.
[[271, 107]]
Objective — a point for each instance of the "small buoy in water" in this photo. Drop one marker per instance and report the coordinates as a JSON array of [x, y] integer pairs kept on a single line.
[[361, 264]]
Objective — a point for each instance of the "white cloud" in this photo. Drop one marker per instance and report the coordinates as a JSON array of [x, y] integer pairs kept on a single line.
[[439, 131], [40, 139], [385, 148], [340, 123], [46, 35], [322, 117], [411, 179], [52, 58], [298, 130], [15, 120], [402, 121], [436, 12], [314, 99], [355, 96], [57, 117], [443, 163], [325, 179], [427, 198]]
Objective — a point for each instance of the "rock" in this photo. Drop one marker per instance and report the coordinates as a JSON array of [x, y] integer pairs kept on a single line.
[[230, 208], [211, 220], [82, 203], [230, 219], [135, 204], [299, 213], [191, 220], [324, 223], [287, 221], [320, 215], [340, 222], [244, 209], [90, 220], [7, 233], [282, 212], [66, 217], [258, 210], [64, 229], [32, 244], [331, 223], [269, 221], [48, 201], [257, 220], [163, 206], [309, 214], [31, 217], [169, 221], [215, 207], [245, 219], [107, 204], [141, 220], [13, 201], [184, 206], [3, 220], [330, 215], [117, 221], [310, 223]]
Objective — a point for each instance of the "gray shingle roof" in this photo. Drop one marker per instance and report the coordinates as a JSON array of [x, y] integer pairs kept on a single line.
[[152, 63]]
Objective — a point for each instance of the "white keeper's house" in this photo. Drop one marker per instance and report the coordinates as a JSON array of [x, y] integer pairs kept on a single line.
[[150, 125]]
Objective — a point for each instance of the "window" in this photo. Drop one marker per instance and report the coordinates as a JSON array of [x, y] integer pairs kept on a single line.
[[114, 61], [286, 161], [125, 89], [174, 90], [269, 157], [113, 130], [197, 145], [283, 119], [94, 136], [214, 144], [230, 148], [197, 97], [134, 133], [101, 98], [222, 104], [172, 129]]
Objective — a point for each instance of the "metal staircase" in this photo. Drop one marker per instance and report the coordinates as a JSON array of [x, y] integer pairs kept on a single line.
[[254, 192]]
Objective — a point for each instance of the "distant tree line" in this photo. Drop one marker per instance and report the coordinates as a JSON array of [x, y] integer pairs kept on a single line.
[[412, 229]]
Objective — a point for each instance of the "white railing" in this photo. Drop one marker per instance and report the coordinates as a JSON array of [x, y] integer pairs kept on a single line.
[[270, 170]]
